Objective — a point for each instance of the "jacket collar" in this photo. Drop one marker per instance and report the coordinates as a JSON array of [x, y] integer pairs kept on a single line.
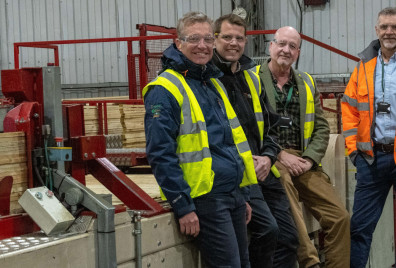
[[370, 52], [174, 59], [244, 63]]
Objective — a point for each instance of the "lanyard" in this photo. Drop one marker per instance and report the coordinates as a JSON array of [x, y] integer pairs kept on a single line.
[[289, 95], [382, 80]]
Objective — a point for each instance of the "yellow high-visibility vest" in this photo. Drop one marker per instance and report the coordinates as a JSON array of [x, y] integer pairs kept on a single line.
[[253, 80], [192, 142], [310, 107]]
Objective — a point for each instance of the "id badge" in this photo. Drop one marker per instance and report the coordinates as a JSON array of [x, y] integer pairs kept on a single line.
[[285, 122], [383, 108]]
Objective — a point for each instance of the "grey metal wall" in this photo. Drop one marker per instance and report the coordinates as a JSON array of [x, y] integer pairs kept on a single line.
[[345, 24], [42, 20]]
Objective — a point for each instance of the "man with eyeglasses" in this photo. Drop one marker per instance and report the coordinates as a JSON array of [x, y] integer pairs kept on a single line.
[[196, 147], [273, 235], [369, 124], [304, 135]]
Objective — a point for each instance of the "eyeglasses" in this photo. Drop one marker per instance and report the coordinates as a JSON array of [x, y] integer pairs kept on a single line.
[[196, 38], [384, 27], [228, 38], [282, 44]]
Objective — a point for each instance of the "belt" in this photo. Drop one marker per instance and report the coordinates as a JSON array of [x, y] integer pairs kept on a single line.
[[385, 148]]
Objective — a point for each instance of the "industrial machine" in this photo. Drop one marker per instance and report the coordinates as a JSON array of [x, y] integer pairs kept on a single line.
[[78, 227]]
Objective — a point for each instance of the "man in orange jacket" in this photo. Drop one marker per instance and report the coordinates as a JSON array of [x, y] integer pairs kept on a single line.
[[369, 123]]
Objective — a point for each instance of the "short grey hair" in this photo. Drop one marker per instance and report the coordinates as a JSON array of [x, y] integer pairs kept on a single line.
[[191, 18], [388, 11]]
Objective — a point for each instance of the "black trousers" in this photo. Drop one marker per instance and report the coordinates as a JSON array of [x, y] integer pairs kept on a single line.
[[274, 238]]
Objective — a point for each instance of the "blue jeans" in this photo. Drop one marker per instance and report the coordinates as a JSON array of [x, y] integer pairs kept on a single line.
[[373, 185], [222, 239]]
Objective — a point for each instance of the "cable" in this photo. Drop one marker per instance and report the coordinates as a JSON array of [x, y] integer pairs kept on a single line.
[[48, 163], [300, 30]]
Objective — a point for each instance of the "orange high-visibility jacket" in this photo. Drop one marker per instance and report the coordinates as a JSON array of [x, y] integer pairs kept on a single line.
[[358, 109]]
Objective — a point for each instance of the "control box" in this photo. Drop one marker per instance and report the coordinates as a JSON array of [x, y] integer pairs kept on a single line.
[[46, 210]]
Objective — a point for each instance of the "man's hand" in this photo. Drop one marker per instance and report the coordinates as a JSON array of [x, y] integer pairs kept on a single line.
[[308, 164], [248, 213], [295, 165], [189, 224], [262, 166]]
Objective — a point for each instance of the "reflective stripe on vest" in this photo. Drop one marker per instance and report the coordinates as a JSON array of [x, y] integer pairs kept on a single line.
[[192, 142], [249, 175], [253, 80], [310, 108]]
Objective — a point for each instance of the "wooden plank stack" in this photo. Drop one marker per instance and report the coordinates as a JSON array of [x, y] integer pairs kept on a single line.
[[113, 119], [13, 163], [123, 119], [91, 120], [132, 120]]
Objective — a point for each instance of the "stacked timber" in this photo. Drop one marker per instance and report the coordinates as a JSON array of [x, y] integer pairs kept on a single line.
[[113, 119], [13, 163], [331, 116], [91, 120], [132, 120], [125, 119]]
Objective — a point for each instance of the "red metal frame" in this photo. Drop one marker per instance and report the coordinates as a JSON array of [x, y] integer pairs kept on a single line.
[[130, 57], [101, 168], [125, 189], [143, 29], [144, 54], [16, 225]]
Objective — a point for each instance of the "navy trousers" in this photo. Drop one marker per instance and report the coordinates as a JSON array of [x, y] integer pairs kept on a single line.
[[372, 187], [274, 238], [222, 239]]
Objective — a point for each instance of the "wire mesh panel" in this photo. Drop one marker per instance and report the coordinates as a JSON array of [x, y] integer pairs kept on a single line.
[[149, 63]]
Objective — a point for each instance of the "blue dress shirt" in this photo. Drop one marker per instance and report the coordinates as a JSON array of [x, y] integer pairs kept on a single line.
[[385, 91]]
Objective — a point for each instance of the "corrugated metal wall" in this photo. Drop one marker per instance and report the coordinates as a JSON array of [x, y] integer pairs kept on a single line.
[[345, 24], [42, 20]]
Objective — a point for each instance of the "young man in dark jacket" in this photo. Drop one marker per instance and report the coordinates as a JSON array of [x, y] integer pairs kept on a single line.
[[273, 241], [196, 147]]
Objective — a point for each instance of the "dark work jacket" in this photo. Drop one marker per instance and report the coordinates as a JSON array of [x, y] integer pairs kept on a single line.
[[162, 124], [239, 95], [240, 98]]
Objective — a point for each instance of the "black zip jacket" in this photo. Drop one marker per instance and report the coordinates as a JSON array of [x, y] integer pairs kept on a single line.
[[241, 100]]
